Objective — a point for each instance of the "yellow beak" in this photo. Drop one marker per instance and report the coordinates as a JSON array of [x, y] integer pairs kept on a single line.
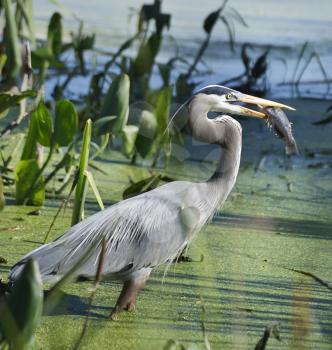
[[260, 102]]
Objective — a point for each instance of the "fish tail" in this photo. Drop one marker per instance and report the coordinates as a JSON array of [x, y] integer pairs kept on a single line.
[[291, 149]]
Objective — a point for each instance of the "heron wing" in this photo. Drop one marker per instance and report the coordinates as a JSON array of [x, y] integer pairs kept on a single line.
[[143, 231]]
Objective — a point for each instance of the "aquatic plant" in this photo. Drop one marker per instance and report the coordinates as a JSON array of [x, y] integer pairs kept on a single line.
[[84, 177], [327, 119], [2, 196], [21, 310], [254, 78], [141, 133], [22, 305], [30, 187], [228, 16]]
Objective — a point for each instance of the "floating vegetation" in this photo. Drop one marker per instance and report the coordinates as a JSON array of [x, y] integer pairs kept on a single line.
[[50, 142]]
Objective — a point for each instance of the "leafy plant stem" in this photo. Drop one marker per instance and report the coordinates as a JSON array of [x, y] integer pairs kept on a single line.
[[58, 166], [22, 115], [203, 47], [40, 172], [81, 186]]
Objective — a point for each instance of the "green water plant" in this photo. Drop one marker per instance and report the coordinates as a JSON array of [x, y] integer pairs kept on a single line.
[[81, 186], [84, 177], [21, 310], [254, 77], [327, 119], [228, 16], [30, 187], [11, 42], [18, 25], [2, 196], [113, 117]]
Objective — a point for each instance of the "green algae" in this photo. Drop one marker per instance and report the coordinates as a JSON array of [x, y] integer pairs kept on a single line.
[[243, 280]]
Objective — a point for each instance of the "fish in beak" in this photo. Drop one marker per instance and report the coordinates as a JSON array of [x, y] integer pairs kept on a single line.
[[260, 102], [227, 99]]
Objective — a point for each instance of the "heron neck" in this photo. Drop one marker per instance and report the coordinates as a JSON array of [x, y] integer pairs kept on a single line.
[[221, 183], [224, 177], [227, 134]]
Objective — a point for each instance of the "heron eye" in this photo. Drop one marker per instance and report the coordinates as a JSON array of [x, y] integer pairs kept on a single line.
[[229, 96]]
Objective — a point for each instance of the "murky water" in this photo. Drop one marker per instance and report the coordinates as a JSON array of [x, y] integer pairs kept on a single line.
[[283, 25]]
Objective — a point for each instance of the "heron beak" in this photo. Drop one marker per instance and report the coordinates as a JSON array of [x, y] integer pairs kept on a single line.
[[227, 107], [239, 110], [233, 108], [261, 102]]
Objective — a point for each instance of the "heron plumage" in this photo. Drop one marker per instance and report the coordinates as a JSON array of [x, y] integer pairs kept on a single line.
[[140, 232], [153, 228]]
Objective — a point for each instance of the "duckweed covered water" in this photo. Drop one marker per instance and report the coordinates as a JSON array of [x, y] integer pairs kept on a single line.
[[276, 219]]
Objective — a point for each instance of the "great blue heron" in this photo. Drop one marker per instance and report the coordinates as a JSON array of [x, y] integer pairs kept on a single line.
[[153, 228]]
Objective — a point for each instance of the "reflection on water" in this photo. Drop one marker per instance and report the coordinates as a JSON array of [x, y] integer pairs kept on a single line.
[[270, 22], [283, 25]]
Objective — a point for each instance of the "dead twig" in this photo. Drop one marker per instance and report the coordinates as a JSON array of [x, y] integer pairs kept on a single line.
[[309, 274], [269, 331]]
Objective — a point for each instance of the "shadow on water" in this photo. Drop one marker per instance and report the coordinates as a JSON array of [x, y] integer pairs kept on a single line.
[[75, 306], [4, 269], [295, 228], [233, 304]]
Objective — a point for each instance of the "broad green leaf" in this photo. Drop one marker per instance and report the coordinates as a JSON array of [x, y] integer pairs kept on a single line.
[[100, 123], [129, 134], [2, 196], [146, 56], [94, 188], [24, 11], [54, 35], [171, 345], [162, 21], [26, 172], [42, 54], [116, 103], [146, 133], [11, 40], [211, 20], [165, 72], [30, 146], [81, 186], [9, 99], [66, 123], [324, 121], [23, 310], [163, 108], [245, 57], [104, 142], [141, 186], [260, 66], [3, 59], [43, 124], [162, 116], [149, 12]]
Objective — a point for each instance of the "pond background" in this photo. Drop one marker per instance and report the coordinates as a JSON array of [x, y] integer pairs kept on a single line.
[[282, 25]]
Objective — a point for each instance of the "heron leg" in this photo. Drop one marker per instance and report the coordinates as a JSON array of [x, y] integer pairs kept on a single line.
[[127, 297]]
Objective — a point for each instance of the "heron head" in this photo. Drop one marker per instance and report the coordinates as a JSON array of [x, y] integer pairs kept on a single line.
[[226, 100]]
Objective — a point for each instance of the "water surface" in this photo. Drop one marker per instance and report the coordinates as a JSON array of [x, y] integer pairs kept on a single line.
[[283, 25]]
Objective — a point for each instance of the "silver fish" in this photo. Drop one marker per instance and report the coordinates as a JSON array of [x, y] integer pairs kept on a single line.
[[283, 127]]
